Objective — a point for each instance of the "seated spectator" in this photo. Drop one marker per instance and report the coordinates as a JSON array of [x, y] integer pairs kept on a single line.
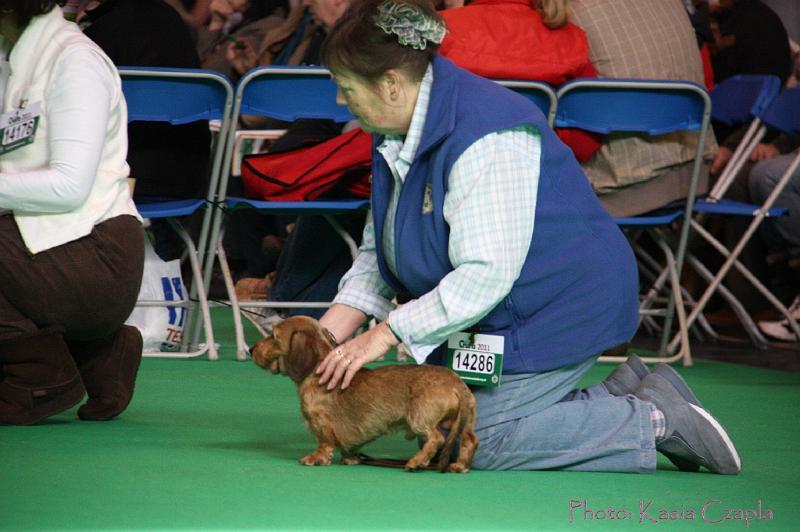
[[194, 13], [781, 235], [167, 161], [238, 23], [645, 39], [304, 272], [525, 40], [750, 39], [294, 42], [700, 16]]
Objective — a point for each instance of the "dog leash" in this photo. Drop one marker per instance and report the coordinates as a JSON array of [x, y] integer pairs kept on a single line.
[[390, 462]]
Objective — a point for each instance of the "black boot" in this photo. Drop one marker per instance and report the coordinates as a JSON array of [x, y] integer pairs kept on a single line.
[[108, 368], [39, 377]]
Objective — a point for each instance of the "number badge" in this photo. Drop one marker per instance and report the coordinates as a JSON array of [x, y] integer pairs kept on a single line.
[[476, 358], [18, 128]]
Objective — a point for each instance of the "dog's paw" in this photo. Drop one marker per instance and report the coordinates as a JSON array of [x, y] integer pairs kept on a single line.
[[315, 459], [350, 460], [455, 467], [415, 465]]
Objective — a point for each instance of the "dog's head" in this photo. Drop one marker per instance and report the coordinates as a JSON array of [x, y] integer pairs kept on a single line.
[[299, 343]]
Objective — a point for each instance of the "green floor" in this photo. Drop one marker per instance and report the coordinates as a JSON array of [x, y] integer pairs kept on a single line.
[[214, 445]]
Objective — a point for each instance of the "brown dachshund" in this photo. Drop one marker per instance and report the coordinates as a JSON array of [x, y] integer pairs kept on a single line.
[[419, 399]]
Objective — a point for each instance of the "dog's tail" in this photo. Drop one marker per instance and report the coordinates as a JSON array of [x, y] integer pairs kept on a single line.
[[462, 418]]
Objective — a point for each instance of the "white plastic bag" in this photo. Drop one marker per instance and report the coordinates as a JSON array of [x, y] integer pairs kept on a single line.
[[161, 327]]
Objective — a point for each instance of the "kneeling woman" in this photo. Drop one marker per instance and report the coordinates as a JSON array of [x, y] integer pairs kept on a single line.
[[71, 246], [483, 223]]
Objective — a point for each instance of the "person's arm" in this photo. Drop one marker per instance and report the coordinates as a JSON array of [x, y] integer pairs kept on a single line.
[[490, 209], [77, 106], [362, 293]]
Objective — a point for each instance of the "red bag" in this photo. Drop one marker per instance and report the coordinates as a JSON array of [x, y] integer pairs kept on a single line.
[[341, 163]]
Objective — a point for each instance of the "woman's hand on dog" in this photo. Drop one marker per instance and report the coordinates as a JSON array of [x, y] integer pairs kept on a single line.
[[342, 363]]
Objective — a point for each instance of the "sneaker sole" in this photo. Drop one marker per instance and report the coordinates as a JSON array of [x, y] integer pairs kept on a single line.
[[725, 438]]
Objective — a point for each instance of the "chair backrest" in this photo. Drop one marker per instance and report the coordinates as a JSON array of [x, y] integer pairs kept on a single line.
[[784, 112], [289, 93], [175, 95], [283, 93], [638, 106], [539, 93], [741, 98]]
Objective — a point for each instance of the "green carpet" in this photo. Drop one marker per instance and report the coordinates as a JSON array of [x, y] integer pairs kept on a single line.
[[214, 445]]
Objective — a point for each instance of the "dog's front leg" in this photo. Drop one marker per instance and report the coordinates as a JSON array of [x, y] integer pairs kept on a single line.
[[326, 443]]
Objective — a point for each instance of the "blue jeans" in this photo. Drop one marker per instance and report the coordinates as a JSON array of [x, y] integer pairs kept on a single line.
[[538, 421], [784, 231], [313, 261]]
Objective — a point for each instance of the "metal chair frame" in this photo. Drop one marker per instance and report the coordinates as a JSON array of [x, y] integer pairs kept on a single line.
[[782, 113], [285, 93], [152, 95], [654, 108]]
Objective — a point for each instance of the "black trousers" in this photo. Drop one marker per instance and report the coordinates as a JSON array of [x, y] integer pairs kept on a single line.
[[88, 286]]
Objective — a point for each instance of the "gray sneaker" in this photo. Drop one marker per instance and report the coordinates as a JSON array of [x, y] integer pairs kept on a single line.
[[677, 381], [693, 436], [626, 377]]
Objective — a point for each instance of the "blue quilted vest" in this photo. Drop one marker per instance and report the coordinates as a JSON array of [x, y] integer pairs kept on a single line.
[[577, 293]]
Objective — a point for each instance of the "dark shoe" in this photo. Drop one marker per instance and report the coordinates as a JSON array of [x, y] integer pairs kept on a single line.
[[693, 436], [108, 368], [626, 377], [40, 378]]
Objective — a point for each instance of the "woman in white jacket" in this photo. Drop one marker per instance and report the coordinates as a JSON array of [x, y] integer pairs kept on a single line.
[[71, 245]]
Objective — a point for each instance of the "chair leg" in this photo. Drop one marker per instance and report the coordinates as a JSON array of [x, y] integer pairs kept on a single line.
[[242, 350], [201, 294], [676, 301], [744, 318], [752, 279]]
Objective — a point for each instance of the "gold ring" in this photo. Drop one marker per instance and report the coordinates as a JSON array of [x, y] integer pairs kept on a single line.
[[339, 353], [348, 361]]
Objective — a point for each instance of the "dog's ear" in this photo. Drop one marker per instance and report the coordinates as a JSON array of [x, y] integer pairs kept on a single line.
[[302, 357]]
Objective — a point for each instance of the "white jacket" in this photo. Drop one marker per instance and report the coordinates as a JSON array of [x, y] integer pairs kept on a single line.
[[74, 175]]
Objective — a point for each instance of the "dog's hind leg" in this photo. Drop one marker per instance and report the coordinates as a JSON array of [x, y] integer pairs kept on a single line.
[[433, 441], [468, 441], [466, 451], [350, 456], [424, 421]]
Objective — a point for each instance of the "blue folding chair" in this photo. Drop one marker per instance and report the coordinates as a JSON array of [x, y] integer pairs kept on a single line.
[[288, 94], [782, 114], [738, 101], [539, 93], [652, 108], [180, 96]]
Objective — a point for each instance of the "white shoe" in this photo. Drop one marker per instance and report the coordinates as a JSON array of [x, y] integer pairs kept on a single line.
[[263, 318], [780, 329]]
